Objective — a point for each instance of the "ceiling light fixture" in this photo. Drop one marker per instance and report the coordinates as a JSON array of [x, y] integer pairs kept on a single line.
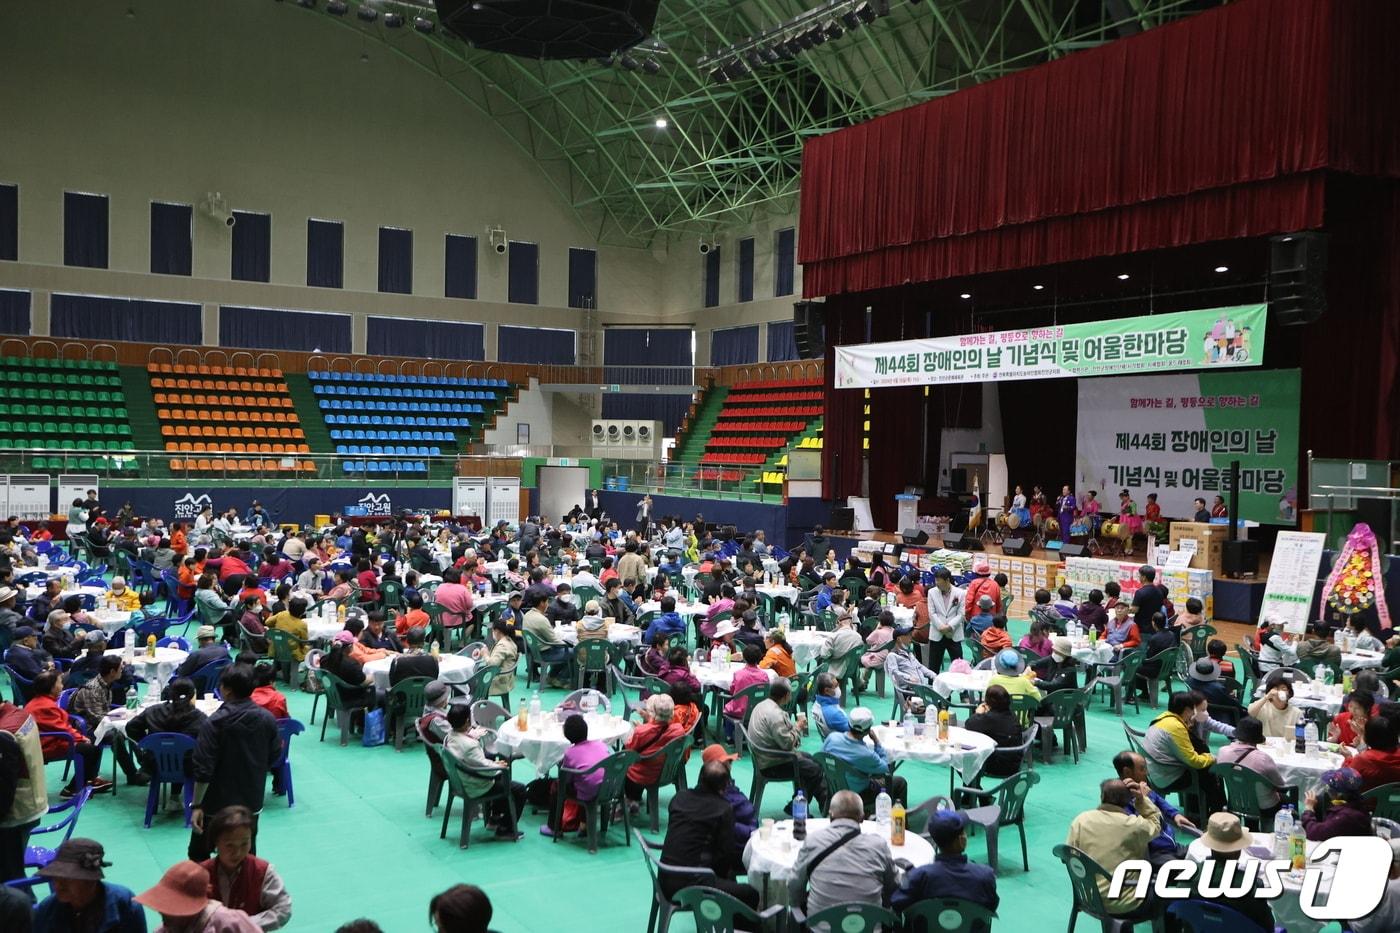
[[628, 63], [651, 66], [1039, 288], [337, 7], [832, 29], [867, 13], [851, 20], [661, 123], [965, 295], [367, 14], [1222, 268], [423, 25], [1123, 276], [393, 20], [827, 21]]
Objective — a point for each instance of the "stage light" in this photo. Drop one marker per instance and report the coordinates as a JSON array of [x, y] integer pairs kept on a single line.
[[815, 35], [628, 63], [393, 20], [754, 59], [851, 20], [832, 29], [1039, 288], [661, 123], [866, 12], [424, 26], [1123, 276], [307, 4], [651, 66], [337, 7], [1222, 268], [367, 13], [965, 295], [772, 56]]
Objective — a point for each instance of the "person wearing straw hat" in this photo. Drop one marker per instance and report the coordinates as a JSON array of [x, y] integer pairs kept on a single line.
[[181, 897], [9, 618], [1226, 837], [81, 898]]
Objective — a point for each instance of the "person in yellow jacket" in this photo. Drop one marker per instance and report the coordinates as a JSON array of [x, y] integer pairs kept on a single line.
[[1177, 754], [121, 596]]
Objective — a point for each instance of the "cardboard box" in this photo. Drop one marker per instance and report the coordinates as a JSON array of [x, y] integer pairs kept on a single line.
[[1209, 543]]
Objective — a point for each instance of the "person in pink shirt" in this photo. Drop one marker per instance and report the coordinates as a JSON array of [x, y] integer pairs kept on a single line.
[[746, 676], [455, 598], [582, 753]]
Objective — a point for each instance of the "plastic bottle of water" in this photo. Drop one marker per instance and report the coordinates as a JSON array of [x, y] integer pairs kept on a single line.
[[535, 710], [908, 727], [1310, 739], [882, 808], [1283, 828], [930, 720], [799, 817]]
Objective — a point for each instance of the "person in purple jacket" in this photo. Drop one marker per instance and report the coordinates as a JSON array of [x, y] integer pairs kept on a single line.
[[1340, 810], [582, 753]]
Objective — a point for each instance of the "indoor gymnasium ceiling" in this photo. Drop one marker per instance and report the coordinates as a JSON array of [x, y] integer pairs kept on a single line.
[[730, 151]]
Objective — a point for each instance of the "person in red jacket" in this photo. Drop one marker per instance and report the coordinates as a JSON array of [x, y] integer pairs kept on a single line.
[[240, 880], [981, 585], [658, 729], [52, 718], [368, 581], [1380, 762], [266, 694]]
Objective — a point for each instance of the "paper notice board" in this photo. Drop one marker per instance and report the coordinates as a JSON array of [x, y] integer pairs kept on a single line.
[[1292, 578]]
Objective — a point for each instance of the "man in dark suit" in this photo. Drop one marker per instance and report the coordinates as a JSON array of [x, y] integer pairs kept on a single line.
[[595, 504]]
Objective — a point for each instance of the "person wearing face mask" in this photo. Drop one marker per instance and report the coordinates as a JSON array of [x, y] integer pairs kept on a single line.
[[827, 704], [1275, 711], [1174, 755]]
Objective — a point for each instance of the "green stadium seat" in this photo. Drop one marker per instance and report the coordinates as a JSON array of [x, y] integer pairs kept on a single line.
[[31, 410]]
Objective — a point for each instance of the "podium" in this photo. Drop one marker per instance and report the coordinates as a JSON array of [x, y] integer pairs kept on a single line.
[[908, 510]]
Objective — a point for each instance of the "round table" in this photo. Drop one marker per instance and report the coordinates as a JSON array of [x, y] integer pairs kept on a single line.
[[618, 634], [1288, 911], [96, 592], [686, 610], [721, 677], [1100, 652], [964, 751], [158, 670], [118, 719], [1355, 660], [109, 620], [319, 628], [1314, 695], [1299, 770], [452, 669], [544, 743], [806, 644], [770, 862], [778, 591], [974, 682]]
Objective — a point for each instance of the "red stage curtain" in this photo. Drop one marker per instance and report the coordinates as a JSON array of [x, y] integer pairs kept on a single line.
[[1210, 128]]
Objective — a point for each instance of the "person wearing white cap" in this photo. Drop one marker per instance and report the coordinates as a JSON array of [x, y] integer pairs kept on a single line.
[[868, 761], [1274, 649], [724, 638], [9, 618], [840, 651]]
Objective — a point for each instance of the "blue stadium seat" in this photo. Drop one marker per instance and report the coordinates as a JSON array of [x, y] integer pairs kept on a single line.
[[435, 451], [420, 467]]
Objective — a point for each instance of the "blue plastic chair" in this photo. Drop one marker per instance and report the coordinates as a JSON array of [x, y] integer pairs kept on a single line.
[[170, 751], [1206, 917], [20, 688], [282, 768], [207, 677], [173, 641], [72, 808]]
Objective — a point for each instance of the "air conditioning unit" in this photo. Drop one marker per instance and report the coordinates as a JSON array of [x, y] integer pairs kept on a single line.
[[629, 433]]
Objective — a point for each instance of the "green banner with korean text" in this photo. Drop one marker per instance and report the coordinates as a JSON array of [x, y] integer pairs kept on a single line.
[[1214, 338]]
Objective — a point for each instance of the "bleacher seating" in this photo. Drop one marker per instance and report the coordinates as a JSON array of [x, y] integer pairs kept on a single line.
[[53, 402], [228, 419], [759, 419], [408, 412]]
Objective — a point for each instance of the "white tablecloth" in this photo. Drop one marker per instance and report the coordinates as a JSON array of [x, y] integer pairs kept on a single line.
[[720, 677], [1314, 695], [155, 670], [118, 719], [319, 628], [966, 751], [776, 856], [948, 683], [96, 592], [1288, 912], [806, 644], [109, 620], [685, 610], [779, 591], [618, 634], [1101, 652], [544, 744], [452, 668], [1300, 770], [1356, 660]]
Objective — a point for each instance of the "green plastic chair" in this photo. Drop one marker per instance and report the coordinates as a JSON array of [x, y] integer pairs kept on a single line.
[[846, 918], [1387, 798], [335, 690], [1009, 809], [673, 755], [1168, 659], [405, 703], [456, 789], [838, 773], [717, 912], [478, 686], [945, 915], [1085, 875], [1242, 793], [598, 811], [1121, 683], [283, 657], [1068, 707], [391, 595], [594, 656], [1198, 637]]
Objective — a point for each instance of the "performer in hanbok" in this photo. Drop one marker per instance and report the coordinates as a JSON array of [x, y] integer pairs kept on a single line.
[[1066, 506], [1090, 510], [1018, 508]]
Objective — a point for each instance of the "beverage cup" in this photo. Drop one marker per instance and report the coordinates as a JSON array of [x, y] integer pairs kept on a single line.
[[765, 829]]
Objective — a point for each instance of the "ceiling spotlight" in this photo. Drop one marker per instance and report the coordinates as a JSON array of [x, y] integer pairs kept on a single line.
[[719, 75], [965, 295], [1123, 276], [651, 66], [393, 20], [1039, 288], [833, 29], [364, 58], [866, 12], [367, 13], [786, 50], [337, 7], [815, 36], [754, 59], [307, 4], [1222, 268], [661, 123], [423, 25], [737, 69], [628, 63], [851, 20], [771, 55]]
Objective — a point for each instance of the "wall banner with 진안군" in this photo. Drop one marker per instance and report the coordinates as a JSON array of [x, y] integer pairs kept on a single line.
[[1176, 436], [1215, 338]]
